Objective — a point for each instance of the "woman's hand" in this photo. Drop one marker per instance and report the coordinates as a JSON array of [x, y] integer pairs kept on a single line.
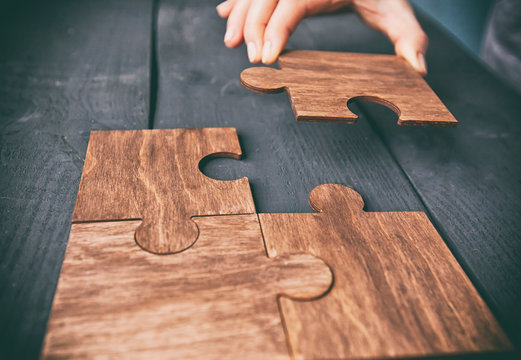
[[265, 25]]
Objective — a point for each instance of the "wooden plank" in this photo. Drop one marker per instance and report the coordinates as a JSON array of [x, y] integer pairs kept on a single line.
[[154, 175], [398, 291], [321, 84], [469, 177], [65, 68], [216, 300]]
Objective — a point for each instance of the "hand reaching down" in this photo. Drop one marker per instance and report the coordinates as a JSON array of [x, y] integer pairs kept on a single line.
[[265, 25]]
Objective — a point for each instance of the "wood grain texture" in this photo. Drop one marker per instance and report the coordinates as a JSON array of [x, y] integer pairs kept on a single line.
[[216, 300], [469, 177], [66, 68], [154, 175], [70, 67], [398, 291], [321, 84]]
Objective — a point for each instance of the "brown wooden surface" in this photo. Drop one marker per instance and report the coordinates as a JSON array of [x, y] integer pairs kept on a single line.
[[320, 84], [398, 291], [216, 300], [154, 175]]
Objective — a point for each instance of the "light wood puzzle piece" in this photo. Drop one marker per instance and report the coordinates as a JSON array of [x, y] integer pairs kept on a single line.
[[398, 290], [217, 299], [154, 175], [320, 84]]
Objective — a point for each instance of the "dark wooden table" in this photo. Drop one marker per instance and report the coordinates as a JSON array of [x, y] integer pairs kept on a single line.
[[68, 67]]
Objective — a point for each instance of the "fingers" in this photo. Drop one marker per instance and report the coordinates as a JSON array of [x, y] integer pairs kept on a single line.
[[236, 19], [264, 25], [258, 16], [281, 25]]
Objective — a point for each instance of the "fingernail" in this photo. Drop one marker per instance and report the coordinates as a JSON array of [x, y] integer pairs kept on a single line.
[[266, 51], [229, 34], [422, 63], [252, 51]]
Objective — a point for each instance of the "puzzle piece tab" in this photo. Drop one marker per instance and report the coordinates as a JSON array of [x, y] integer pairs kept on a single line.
[[216, 300], [320, 84], [398, 290], [154, 175]]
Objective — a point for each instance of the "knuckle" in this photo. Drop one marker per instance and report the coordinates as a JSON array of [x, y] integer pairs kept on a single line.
[[422, 37], [250, 33]]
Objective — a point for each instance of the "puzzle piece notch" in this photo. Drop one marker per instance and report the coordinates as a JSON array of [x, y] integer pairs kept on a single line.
[[217, 299], [321, 84], [398, 290], [154, 175]]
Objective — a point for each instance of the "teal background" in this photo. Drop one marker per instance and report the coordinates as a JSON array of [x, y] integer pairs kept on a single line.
[[465, 19]]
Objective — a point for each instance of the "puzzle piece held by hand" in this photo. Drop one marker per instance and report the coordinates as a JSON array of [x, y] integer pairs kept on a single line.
[[398, 290], [320, 84], [154, 175], [217, 299]]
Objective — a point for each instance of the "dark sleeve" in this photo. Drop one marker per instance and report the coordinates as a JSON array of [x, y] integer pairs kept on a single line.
[[502, 44]]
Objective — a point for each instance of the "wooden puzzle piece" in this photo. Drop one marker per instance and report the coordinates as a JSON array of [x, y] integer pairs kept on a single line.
[[216, 300], [154, 175], [320, 84], [398, 290]]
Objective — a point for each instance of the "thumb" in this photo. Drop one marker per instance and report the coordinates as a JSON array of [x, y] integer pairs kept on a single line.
[[396, 19], [412, 47]]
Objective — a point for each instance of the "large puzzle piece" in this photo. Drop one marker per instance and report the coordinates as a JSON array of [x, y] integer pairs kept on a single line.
[[320, 84], [398, 291], [154, 175], [216, 300]]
